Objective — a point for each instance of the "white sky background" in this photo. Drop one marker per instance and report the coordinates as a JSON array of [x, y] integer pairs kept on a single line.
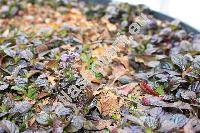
[[187, 11]]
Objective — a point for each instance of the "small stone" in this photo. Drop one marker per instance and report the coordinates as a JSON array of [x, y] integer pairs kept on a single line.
[[125, 79]]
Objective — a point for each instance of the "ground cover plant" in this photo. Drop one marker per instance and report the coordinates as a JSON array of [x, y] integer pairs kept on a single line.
[[50, 81]]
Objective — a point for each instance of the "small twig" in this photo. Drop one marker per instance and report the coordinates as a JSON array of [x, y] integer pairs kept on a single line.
[[102, 41], [5, 71]]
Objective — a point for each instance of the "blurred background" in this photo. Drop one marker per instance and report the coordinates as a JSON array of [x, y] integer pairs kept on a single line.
[[187, 11]]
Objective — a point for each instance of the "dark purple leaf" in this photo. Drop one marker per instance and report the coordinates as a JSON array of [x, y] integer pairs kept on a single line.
[[77, 122], [21, 81], [136, 129], [60, 109], [169, 98], [196, 62], [165, 31], [3, 86], [180, 61], [7, 126], [186, 94], [58, 126], [195, 87], [41, 82], [43, 118], [170, 122], [181, 34], [156, 112], [193, 125], [154, 101], [21, 107], [179, 120], [151, 122], [26, 54], [10, 52]]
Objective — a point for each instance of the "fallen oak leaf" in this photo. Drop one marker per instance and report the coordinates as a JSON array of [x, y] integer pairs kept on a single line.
[[124, 60], [148, 60], [31, 121], [89, 125], [117, 72], [102, 124], [52, 79], [126, 89], [52, 64], [98, 52], [42, 95], [107, 103], [41, 48], [188, 70]]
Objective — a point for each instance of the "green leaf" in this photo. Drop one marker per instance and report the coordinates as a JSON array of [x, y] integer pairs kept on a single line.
[[22, 127], [69, 75], [98, 75], [17, 59], [86, 110], [20, 90], [86, 47], [63, 32], [32, 92], [84, 57], [2, 39], [115, 117], [160, 90], [18, 98], [148, 130], [106, 131], [3, 108]]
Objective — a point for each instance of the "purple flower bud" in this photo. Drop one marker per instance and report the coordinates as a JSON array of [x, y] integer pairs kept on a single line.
[[65, 57], [69, 57]]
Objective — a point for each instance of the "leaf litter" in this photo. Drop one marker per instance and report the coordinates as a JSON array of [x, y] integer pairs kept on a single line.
[[48, 50]]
